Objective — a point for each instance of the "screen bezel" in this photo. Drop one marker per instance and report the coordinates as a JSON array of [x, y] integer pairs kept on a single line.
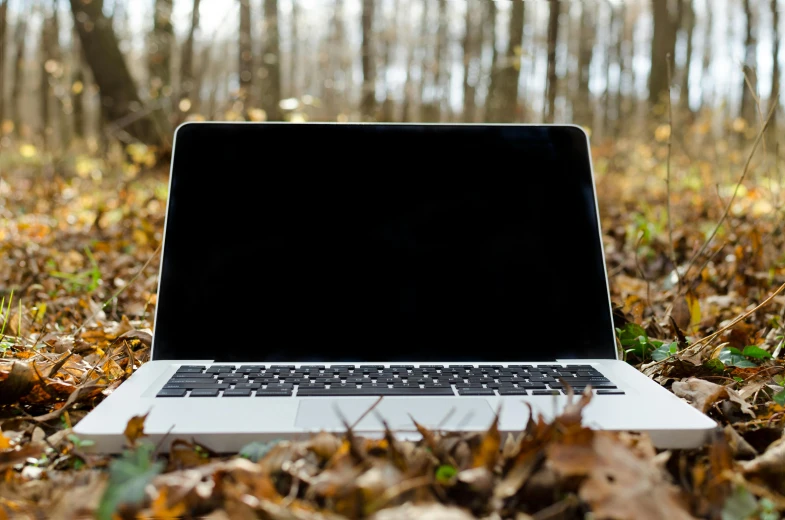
[[579, 144]]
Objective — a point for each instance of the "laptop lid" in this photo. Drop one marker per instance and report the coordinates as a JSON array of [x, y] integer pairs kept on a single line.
[[326, 242]]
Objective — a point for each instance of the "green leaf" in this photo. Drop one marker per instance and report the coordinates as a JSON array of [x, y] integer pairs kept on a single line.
[[664, 351], [631, 335], [732, 357], [779, 398], [715, 366], [738, 379], [740, 505], [128, 477], [255, 451], [445, 473], [756, 352]]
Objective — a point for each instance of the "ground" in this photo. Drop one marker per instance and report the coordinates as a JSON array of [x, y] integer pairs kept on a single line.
[[696, 267]]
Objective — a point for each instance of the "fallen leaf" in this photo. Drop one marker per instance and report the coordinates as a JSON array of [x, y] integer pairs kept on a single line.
[[134, 429], [699, 393], [422, 512]]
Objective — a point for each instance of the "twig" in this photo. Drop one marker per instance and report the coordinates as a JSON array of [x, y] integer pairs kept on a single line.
[[668, 173], [365, 413], [735, 191], [744, 316]]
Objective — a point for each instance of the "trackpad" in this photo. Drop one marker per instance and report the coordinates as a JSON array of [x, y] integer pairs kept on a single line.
[[443, 413]]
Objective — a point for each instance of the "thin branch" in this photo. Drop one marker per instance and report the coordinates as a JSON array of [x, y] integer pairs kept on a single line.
[[724, 216], [668, 170]]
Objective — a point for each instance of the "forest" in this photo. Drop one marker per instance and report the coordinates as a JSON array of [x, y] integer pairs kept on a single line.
[[682, 101]]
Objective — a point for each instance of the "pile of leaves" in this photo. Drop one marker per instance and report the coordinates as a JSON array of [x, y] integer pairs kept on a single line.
[[697, 288]]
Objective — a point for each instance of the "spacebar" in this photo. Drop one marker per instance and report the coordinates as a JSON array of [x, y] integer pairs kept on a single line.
[[311, 392]]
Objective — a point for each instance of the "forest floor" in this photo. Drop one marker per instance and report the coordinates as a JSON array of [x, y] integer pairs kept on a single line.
[[79, 249]]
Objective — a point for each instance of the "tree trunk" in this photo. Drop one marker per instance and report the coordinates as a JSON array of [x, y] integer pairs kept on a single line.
[[245, 52], [408, 87], [20, 40], [689, 29], [553, 38], [749, 78], [503, 106], [3, 29], [470, 38], [44, 88], [187, 83], [493, 83], [294, 58], [119, 97], [441, 89], [582, 108], [78, 87], [271, 63], [368, 99], [160, 50], [663, 44], [774, 93]]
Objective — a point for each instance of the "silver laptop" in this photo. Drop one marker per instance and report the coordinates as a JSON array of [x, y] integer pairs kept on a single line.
[[454, 270]]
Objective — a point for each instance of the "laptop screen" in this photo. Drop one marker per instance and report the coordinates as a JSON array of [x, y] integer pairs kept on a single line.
[[381, 243]]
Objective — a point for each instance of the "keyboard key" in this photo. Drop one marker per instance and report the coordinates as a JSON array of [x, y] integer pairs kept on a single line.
[[250, 368], [610, 392], [234, 380], [475, 391], [282, 367], [341, 367], [506, 390], [194, 386], [312, 367], [267, 392], [188, 375], [237, 393], [546, 392], [171, 392], [367, 391], [199, 367], [190, 381], [404, 367], [219, 368], [372, 367], [204, 393], [183, 370], [435, 367], [248, 386]]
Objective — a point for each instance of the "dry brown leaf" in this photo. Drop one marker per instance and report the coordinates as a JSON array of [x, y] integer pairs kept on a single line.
[[734, 396], [422, 512], [620, 483], [17, 383], [488, 451], [699, 393], [772, 460], [134, 430]]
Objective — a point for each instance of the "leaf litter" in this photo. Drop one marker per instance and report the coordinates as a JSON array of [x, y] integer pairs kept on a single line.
[[79, 263]]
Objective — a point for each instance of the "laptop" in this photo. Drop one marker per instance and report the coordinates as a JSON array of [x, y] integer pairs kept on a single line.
[[454, 271]]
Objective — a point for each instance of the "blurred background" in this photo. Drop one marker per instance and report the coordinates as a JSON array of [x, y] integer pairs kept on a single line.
[[89, 75]]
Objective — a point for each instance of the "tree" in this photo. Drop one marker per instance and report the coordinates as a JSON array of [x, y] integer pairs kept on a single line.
[[245, 54], [3, 27], [78, 87], [20, 40], [187, 82], [294, 58], [271, 62], [663, 45], [471, 36], [750, 80], [120, 101], [160, 44], [368, 100], [774, 93], [689, 29], [553, 38], [582, 103], [503, 93]]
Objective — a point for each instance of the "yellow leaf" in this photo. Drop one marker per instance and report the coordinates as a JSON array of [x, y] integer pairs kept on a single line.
[[695, 309], [5, 442], [28, 151], [161, 509]]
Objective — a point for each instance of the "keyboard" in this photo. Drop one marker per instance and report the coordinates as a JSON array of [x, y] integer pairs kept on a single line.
[[379, 380]]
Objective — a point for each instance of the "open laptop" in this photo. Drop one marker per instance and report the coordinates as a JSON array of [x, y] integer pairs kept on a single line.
[[453, 269]]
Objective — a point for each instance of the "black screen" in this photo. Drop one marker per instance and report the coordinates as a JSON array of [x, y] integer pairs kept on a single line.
[[381, 242]]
